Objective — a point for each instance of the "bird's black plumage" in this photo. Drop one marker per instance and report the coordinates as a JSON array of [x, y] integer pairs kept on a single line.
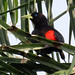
[[41, 27]]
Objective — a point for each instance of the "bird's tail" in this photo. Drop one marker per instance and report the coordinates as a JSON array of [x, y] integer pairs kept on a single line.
[[49, 50], [62, 55]]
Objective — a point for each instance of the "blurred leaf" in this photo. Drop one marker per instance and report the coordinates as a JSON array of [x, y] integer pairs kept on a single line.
[[58, 59], [5, 8], [45, 61], [12, 60], [4, 36], [39, 7], [49, 9], [3, 73], [3, 54], [23, 12], [28, 46], [61, 72], [72, 66], [10, 68], [15, 4], [24, 68], [4, 25]]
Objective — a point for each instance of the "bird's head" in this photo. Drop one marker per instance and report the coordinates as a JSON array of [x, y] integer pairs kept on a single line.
[[36, 18]]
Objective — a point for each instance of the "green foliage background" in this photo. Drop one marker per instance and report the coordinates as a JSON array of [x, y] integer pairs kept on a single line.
[[26, 65]]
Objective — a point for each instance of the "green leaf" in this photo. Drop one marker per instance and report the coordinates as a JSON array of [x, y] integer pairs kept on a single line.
[[3, 54], [15, 4], [72, 66], [10, 68], [61, 72], [4, 25], [12, 60], [46, 61], [3, 73], [39, 7], [28, 47]]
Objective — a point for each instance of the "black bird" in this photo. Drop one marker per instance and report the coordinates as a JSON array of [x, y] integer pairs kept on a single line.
[[42, 28]]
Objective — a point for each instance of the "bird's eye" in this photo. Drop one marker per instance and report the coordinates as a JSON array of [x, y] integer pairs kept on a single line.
[[35, 15]]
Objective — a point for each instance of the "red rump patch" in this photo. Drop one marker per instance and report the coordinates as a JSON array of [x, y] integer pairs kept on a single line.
[[50, 35]]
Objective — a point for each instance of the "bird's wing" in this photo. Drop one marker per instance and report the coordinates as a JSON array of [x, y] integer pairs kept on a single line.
[[37, 32], [58, 36]]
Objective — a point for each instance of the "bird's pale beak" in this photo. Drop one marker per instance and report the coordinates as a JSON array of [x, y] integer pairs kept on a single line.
[[27, 16]]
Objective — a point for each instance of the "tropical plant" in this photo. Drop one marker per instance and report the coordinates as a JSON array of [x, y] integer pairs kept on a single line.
[[10, 64]]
